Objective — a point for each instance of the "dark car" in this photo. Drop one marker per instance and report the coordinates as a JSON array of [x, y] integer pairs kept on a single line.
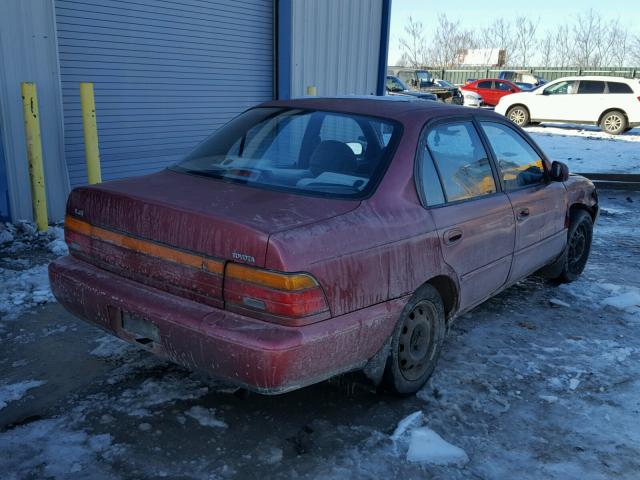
[[522, 77], [395, 86], [424, 81], [317, 236]]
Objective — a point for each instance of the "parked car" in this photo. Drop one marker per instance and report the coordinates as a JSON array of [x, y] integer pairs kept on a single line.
[[472, 99], [457, 98], [395, 86], [525, 87], [522, 76], [491, 89], [274, 256], [613, 103], [423, 81]]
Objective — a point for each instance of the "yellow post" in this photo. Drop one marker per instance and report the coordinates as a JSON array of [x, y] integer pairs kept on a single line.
[[90, 127], [312, 91], [34, 154]]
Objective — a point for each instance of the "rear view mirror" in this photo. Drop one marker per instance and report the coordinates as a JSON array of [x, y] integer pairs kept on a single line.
[[559, 172]]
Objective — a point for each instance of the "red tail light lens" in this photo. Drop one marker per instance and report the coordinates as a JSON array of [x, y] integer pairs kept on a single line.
[[287, 298]]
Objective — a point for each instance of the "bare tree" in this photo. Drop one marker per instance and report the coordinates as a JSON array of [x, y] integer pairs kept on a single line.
[[588, 39], [634, 50], [546, 50], [617, 51], [448, 42], [564, 46], [412, 44], [499, 34], [524, 39]]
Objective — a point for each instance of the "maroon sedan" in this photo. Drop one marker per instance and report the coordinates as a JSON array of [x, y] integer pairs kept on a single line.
[[312, 237], [492, 89]]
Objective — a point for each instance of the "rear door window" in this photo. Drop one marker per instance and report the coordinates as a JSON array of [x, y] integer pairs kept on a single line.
[[484, 84], [461, 160], [591, 87], [520, 165], [618, 87]]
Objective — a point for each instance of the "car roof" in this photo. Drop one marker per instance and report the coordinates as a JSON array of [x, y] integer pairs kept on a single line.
[[392, 107], [601, 78]]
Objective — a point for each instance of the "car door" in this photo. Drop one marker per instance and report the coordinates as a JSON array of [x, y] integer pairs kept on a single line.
[[485, 90], [502, 89], [539, 205], [473, 218], [590, 101], [554, 102]]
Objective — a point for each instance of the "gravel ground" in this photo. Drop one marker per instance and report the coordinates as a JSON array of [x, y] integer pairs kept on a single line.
[[538, 382]]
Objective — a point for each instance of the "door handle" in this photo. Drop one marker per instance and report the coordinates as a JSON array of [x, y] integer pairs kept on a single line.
[[523, 213], [452, 236]]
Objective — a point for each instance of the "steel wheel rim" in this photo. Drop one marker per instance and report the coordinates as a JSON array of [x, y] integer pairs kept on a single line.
[[416, 343], [577, 248], [612, 123], [517, 116]]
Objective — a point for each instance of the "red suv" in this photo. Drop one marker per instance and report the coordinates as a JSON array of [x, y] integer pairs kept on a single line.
[[492, 89], [311, 237]]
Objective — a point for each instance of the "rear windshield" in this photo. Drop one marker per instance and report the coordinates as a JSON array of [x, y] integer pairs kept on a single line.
[[303, 151]]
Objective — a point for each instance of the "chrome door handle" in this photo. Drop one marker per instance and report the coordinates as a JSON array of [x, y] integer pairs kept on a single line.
[[452, 236]]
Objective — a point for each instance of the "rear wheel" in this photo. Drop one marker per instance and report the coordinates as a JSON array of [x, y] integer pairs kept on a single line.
[[416, 342], [519, 115], [576, 253], [614, 122]]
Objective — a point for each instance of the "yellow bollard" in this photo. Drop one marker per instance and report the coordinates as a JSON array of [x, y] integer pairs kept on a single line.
[[90, 127], [34, 154], [312, 91]]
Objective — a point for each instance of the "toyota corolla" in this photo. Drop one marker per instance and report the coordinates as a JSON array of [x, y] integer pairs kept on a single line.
[[312, 237]]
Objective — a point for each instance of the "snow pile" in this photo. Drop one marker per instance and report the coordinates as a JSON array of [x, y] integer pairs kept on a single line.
[[15, 391], [621, 297], [425, 445], [21, 290], [24, 254], [205, 417], [110, 346], [53, 450], [138, 402]]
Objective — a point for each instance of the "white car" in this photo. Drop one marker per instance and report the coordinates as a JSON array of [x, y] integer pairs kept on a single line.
[[611, 102], [472, 99]]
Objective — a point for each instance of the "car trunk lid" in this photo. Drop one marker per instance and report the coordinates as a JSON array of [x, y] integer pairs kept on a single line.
[[176, 231]]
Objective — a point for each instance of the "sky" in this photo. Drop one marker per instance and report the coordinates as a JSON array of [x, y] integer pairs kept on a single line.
[[476, 13]]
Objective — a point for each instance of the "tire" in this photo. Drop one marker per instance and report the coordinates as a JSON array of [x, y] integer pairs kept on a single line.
[[519, 115], [614, 122], [416, 343], [576, 253]]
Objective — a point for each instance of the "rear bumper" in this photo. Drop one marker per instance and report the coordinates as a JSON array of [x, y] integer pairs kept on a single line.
[[258, 355]]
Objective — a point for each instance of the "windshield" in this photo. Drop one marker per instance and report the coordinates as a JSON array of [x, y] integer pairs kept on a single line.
[[446, 84], [424, 76], [305, 151]]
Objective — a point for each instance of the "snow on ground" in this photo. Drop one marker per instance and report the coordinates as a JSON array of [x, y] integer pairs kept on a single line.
[[24, 280], [15, 391], [586, 149]]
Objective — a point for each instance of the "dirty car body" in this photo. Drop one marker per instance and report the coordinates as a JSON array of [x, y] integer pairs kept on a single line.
[[284, 249]]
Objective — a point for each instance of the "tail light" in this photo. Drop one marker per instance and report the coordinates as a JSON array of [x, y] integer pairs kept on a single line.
[[287, 298]]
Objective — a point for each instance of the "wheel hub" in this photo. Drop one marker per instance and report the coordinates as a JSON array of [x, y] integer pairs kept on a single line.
[[416, 343], [612, 123]]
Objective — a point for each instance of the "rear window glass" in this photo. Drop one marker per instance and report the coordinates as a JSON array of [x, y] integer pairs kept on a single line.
[[591, 86], [617, 87], [306, 151]]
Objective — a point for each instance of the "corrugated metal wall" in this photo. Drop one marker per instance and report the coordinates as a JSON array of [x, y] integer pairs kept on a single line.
[[335, 46], [28, 54], [166, 74]]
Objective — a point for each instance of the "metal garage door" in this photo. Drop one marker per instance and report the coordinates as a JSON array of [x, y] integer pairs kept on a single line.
[[166, 73]]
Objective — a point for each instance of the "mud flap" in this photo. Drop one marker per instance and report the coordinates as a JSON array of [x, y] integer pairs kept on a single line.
[[374, 369]]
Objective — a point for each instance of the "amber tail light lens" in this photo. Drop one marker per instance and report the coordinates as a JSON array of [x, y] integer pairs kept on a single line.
[[287, 298]]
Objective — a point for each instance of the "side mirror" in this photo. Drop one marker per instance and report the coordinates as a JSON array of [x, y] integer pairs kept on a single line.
[[559, 172], [512, 90]]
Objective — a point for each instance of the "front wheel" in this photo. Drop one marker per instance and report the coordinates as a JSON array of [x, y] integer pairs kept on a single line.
[[416, 342], [614, 122], [519, 115]]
